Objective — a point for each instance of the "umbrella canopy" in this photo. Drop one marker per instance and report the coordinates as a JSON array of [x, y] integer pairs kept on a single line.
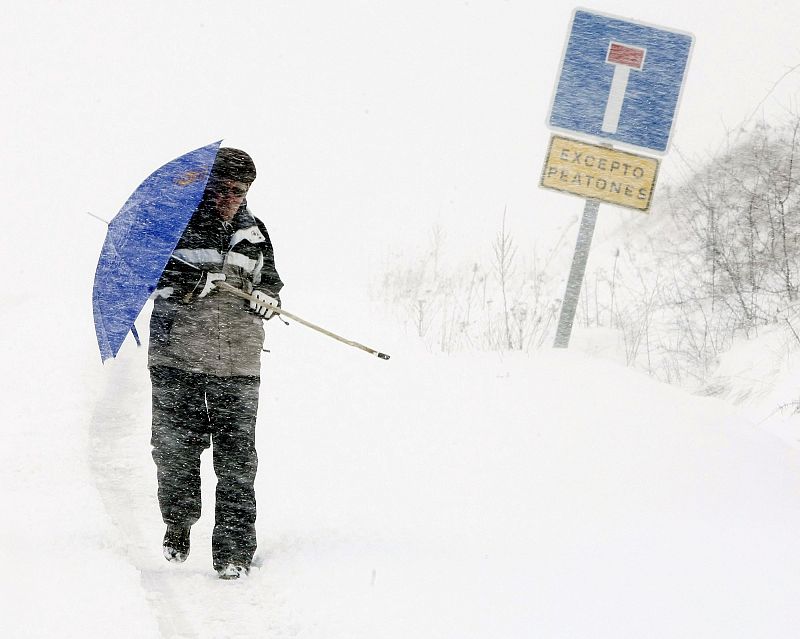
[[140, 240]]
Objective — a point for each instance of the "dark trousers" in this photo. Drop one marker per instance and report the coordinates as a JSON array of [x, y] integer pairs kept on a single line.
[[190, 410]]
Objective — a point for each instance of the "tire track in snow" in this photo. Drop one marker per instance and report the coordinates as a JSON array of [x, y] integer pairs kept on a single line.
[[116, 421]]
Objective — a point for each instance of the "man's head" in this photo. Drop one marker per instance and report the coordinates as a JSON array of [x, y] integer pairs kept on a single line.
[[231, 176]]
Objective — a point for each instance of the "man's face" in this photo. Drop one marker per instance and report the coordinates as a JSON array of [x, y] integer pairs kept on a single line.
[[227, 196]]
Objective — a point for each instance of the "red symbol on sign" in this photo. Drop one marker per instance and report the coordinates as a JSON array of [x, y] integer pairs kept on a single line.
[[624, 57], [623, 54]]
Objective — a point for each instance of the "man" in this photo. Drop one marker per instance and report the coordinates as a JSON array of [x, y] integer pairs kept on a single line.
[[205, 366]]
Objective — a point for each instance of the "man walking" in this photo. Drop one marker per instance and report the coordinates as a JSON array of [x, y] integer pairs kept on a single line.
[[205, 366]]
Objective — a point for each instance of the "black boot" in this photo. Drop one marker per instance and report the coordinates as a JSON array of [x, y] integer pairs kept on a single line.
[[176, 543], [233, 571]]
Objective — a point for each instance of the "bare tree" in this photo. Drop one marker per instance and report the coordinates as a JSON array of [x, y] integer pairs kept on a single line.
[[504, 254]]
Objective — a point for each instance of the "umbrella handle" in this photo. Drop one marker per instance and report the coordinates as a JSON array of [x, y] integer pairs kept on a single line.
[[224, 286]]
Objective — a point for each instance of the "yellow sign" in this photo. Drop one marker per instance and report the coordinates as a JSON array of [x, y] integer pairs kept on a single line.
[[600, 173]]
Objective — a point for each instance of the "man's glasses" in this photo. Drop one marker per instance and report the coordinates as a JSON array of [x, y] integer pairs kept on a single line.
[[226, 188], [238, 191]]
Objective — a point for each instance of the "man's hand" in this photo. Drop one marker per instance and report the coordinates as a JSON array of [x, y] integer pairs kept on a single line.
[[162, 292], [209, 283], [261, 309]]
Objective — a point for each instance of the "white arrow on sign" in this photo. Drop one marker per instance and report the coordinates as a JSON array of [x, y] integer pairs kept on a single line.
[[624, 57]]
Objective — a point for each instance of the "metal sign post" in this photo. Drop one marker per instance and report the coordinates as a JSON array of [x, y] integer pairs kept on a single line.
[[597, 97], [575, 280]]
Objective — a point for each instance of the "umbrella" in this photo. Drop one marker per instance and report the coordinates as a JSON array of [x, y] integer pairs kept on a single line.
[[140, 240]]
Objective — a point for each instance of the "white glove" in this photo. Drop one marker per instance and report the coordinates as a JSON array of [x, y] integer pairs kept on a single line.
[[162, 292], [265, 311], [209, 283]]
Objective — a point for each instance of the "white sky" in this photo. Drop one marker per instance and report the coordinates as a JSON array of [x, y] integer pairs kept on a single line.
[[369, 121]]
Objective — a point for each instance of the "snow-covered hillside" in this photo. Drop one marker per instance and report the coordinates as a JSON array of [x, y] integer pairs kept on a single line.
[[550, 495]]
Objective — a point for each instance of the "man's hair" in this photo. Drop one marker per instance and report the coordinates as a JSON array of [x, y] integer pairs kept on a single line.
[[233, 164]]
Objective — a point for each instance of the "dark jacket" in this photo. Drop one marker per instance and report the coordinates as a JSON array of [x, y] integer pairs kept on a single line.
[[217, 334]]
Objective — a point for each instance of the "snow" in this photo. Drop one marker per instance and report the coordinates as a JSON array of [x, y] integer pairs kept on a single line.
[[556, 494], [476, 495]]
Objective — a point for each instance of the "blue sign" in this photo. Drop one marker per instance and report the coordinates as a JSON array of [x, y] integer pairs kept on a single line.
[[620, 81]]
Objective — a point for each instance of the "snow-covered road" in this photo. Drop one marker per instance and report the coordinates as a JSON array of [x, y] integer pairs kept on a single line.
[[469, 496], [550, 495]]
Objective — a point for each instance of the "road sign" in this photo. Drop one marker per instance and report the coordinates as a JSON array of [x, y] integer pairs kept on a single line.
[[600, 173], [620, 81]]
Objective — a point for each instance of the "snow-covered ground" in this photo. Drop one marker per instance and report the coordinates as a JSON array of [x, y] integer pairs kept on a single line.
[[550, 495]]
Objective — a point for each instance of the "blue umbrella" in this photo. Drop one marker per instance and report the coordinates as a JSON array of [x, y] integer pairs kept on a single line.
[[140, 240]]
